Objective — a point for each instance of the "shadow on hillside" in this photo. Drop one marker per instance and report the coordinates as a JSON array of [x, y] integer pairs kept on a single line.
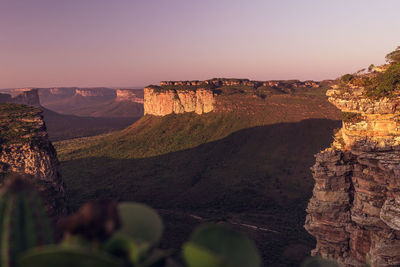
[[62, 126], [258, 175]]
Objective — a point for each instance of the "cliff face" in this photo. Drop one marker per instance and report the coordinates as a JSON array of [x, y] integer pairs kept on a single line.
[[25, 148], [161, 103], [26, 96], [354, 213]]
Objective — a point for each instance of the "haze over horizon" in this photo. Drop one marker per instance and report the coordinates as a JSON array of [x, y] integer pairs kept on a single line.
[[88, 43]]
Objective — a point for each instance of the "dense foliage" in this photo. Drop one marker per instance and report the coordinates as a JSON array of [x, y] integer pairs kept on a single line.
[[386, 83]]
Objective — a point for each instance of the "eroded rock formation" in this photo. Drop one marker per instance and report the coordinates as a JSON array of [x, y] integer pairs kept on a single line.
[[164, 102], [25, 148], [354, 212]]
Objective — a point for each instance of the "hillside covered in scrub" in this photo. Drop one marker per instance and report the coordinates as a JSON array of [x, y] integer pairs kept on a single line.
[[246, 163]]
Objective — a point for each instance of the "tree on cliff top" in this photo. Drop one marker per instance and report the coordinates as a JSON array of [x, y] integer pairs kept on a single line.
[[394, 56]]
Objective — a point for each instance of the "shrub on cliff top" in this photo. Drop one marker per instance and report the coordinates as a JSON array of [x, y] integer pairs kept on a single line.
[[385, 84], [394, 56]]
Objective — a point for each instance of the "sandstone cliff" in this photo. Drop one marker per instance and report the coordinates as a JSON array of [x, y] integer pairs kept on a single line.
[[164, 102], [25, 148], [354, 212]]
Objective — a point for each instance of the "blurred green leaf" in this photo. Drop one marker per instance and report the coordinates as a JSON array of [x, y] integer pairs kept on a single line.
[[221, 246], [59, 256], [199, 257], [140, 222]]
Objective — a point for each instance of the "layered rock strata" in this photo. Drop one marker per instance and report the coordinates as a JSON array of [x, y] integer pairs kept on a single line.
[[25, 148], [354, 212], [161, 103]]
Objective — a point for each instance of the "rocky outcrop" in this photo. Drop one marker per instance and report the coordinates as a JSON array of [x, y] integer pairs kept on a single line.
[[25, 148], [164, 102], [354, 212], [130, 95]]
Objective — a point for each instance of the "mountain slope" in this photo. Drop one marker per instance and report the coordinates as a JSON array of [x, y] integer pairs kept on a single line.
[[249, 165]]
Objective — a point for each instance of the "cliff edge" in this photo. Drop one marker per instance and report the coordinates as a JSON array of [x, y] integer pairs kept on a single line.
[[25, 148], [354, 212]]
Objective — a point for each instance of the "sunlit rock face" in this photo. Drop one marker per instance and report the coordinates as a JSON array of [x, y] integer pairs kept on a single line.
[[161, 103], [25, 148], [354, 212]]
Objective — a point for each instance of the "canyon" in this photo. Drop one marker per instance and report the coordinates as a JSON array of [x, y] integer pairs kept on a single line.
[[354, 211]]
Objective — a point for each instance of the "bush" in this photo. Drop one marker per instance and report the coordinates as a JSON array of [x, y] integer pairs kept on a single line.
[[394, 56], [385, 84], [347, 78]]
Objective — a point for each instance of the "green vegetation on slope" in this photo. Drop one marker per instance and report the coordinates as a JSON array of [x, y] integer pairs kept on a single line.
[[249, 165], [18, 123]]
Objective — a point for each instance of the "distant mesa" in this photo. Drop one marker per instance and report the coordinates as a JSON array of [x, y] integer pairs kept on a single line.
[[26, 96], [135, 96], [95, 92]]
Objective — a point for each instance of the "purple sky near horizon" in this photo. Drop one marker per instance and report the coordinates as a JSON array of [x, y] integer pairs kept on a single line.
[[46, 43]]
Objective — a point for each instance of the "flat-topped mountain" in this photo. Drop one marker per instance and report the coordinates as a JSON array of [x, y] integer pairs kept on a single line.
[[205, 96]]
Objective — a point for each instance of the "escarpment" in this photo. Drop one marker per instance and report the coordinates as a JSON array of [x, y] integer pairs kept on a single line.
[[203, 96], [354, 212], [25, 148], [166, 102]]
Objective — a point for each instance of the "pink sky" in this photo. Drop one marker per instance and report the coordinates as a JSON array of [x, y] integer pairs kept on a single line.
[[45, 43]]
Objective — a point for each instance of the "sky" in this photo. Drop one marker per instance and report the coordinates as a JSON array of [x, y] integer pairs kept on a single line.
[[120, 43]]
